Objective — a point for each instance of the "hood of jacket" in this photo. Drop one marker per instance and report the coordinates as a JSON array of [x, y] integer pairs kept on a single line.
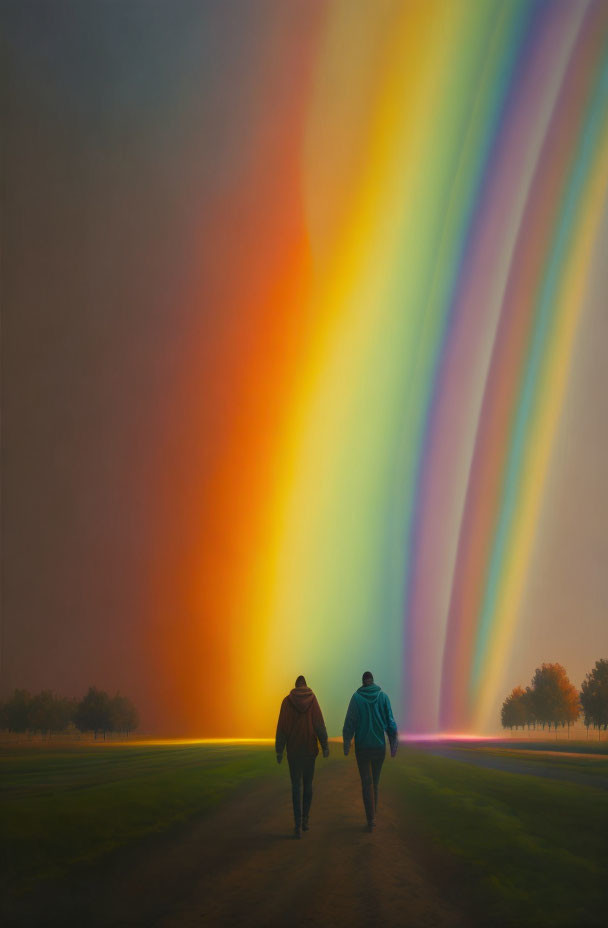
[[370, 693], [301, 697]]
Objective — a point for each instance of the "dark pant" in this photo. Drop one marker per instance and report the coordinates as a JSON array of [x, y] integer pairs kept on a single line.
[[301, 770], [369, 762]]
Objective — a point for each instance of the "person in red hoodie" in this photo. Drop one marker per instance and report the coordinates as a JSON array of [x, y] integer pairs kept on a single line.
[[300, 725]]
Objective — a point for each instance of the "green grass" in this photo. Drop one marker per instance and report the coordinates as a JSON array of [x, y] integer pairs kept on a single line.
[[515, 849], [62, 807], [511, 849]]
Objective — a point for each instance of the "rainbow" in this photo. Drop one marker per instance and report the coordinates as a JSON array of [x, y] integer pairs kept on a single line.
[[372, 495]]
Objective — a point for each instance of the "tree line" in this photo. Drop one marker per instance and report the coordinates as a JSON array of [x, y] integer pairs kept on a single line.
[[47, 713], [552, 700]]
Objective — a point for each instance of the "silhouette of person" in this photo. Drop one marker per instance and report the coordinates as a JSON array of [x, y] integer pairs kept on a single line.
[[300, 725], [368, 717]]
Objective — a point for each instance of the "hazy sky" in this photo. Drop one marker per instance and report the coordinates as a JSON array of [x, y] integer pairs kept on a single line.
[[564, 614], [150, 189], [128, 156]]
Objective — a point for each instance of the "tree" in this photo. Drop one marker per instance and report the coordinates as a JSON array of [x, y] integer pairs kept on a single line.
[[514, 709], [93, 712], [528, 700], [45, 712], [594, 696], [42, 712], [64, 712], [16, 711], [554, 699], [123, 714], [50, 713]]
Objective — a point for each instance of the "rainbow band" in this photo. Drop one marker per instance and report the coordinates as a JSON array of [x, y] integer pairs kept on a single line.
[[401, 362]]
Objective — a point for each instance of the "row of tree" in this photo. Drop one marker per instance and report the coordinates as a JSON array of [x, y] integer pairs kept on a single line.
[[48, 713], [552, 700]]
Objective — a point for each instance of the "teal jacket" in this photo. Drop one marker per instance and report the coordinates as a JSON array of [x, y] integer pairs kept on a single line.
[[369, 715]]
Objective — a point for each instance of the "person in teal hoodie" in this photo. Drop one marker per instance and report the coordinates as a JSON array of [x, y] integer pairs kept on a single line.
[[368, 717]]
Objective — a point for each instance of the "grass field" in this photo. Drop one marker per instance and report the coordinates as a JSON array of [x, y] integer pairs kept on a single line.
[[517, 849], [67, 806], [505, 848]]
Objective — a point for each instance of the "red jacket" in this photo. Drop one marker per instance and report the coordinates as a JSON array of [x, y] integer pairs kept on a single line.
[[300, 724]]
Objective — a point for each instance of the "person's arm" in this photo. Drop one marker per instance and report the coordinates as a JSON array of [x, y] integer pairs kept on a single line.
[[391, 727], [319, 726], [350, 724], [281, 736]]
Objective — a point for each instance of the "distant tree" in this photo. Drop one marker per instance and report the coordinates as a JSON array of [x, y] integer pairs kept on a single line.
[[93, 712], [554, 699], [17, 711], [530, 712], [123, 714], [64, 713], [50, 713], [513, 712], [594, 696], [572, 706], [45, 712], [586, 722], [42, 712]]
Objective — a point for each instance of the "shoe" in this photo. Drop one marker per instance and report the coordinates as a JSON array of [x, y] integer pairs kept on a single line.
[[305, 825], [297, 832], [371, 826]]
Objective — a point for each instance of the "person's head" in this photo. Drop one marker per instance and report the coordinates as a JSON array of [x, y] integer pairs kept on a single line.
[[367, 678], [301, 681]]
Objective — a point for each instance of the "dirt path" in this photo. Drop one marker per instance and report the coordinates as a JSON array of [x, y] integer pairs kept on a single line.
[[338, 874], [584, 755], [241, 866]]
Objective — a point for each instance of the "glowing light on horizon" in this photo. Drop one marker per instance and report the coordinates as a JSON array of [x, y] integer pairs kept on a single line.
[[152, 742]]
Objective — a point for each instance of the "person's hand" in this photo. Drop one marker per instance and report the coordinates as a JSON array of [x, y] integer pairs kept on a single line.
[[279, 758], [393, 749], [326, 751], [346, 749]]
